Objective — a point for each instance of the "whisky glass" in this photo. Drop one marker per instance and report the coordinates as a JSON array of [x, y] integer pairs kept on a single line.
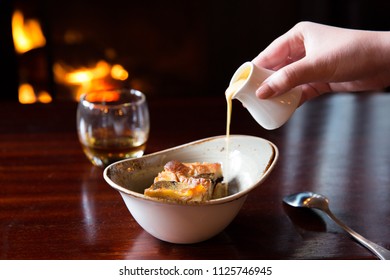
[[113, 125]]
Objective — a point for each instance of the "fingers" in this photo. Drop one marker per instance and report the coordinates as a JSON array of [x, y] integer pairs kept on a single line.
[[285, 55], [274, 56], [286, 78], [310, 91], [298, 59], [282, 51]]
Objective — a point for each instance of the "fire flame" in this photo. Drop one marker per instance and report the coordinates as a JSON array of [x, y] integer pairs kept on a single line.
[[27, 34], [92, 78], [27, 95]]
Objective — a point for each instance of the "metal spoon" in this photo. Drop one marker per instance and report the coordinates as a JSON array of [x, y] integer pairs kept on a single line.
[[320, 202]]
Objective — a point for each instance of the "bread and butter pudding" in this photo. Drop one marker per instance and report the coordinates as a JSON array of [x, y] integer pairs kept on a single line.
[[185, 182]]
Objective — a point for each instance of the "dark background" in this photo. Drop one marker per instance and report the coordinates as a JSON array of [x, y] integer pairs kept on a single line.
[[171, 47]]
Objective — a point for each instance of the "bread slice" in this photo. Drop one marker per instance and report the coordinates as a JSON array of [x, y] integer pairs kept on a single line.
[[183, 182]]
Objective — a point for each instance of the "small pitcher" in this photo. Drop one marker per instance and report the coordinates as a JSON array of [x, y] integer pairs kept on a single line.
[[270, 113]]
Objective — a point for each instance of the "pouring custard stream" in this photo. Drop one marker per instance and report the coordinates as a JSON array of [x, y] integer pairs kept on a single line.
[[229, 93]]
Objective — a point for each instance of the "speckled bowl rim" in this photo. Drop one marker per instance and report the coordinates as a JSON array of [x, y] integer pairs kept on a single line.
[[271, 164]]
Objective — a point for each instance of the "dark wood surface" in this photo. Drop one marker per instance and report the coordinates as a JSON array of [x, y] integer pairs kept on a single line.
[[55, 205]]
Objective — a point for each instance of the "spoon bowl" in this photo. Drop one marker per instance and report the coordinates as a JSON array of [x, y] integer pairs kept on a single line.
[[308, 200], [320, 202]]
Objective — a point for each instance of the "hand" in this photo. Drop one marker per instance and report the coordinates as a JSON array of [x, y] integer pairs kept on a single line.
[[323, 58]]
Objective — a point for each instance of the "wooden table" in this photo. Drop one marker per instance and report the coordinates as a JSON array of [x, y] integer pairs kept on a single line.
[[55, 205]]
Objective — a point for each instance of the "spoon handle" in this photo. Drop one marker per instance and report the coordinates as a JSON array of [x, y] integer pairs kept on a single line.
[[379, 251]]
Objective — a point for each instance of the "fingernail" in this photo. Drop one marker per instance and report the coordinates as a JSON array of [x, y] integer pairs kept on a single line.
[[264, 91]]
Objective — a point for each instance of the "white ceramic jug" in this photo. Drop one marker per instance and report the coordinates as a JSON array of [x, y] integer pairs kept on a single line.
[[269, 113]]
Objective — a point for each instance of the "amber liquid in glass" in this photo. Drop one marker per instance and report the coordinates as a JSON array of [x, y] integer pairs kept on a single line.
[[103, 150]]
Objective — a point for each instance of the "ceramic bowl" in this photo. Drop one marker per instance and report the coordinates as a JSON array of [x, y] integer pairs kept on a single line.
[[246, 163]]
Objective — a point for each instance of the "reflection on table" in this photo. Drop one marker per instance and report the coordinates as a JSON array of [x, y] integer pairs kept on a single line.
[[56, 205]]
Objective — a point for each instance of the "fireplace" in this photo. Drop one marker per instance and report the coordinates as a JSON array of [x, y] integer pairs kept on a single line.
[[65, 48]]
